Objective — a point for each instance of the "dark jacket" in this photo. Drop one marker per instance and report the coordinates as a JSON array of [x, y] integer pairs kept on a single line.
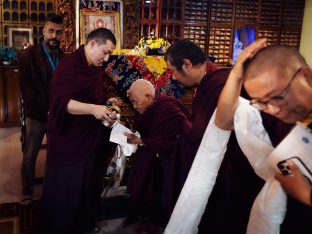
[[35, 77]]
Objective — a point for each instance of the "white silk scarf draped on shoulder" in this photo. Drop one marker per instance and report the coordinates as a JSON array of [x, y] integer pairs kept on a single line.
[[200, 181], [269, 208]]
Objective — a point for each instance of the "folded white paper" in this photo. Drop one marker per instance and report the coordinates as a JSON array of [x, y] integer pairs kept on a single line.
[[117, 136]]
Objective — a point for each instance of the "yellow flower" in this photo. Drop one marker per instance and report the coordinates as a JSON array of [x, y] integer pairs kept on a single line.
[[160, 44]]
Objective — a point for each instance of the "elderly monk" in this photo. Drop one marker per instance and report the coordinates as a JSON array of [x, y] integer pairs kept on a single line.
[[71, 190], [278, 81], [160, 120]]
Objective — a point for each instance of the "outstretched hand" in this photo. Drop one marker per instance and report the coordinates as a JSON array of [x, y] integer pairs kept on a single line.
[[296, 185], [133, 139]]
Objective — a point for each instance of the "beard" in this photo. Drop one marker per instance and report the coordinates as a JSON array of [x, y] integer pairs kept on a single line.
[[55, 45]]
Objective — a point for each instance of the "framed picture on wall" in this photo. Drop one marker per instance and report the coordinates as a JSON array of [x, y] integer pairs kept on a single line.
[[91, 20], [19, 37], [243, 37]]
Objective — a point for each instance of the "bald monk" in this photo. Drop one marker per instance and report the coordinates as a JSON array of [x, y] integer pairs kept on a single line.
[[71, 192], [278, 81], [160, 120]]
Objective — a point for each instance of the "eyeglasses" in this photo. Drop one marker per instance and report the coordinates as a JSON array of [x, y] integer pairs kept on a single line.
[[58, 32], [276, 100]]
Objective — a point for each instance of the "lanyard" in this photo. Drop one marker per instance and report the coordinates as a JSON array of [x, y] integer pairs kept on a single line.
[[53, 66]]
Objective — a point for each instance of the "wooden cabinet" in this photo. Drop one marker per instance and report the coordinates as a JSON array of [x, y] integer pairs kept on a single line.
[[24, 13], [9, 95], [162, 18], [172, 19], [149, 18], [212, 24]]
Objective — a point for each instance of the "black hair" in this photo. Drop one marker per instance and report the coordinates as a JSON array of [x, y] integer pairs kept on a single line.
[[101, 35], [184, 49], [54, 18]]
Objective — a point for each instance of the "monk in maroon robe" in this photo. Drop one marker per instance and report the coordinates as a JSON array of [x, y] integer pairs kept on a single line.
[[75, 137], [237, 185], [235, 174], [160, 120], [298, 217], [190, 67]]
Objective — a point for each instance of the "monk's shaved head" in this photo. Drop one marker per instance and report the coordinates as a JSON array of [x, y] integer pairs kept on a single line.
[[142, 87], [278, 79], [142, 95], [278, 58]]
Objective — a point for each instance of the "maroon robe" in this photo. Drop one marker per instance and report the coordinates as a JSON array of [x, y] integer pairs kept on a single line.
[[72, 138], [152, 174], [71, 192], [203, 106], [237, 185]]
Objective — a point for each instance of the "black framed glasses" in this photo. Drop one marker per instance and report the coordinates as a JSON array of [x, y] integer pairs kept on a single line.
[[276, 100]]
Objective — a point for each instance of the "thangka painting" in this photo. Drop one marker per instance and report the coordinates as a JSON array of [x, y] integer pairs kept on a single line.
[[91, 20]]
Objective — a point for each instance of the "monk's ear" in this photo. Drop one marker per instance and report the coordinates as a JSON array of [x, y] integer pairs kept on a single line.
[[187, 65], [92, 42], [149, 98], [307, 72]]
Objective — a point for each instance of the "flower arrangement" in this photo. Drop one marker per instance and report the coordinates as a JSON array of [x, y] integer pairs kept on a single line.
[[7, 54], [151, 46]]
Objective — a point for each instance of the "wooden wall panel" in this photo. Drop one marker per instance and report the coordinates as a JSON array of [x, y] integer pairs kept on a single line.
[[9, 94], [66, 8], [131, 24], [211, 23], [247, 11], [12, 94], [24, 13], [219, 44]]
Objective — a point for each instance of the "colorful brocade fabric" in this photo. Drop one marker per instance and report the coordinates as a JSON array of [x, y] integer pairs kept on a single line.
[[125, 69]]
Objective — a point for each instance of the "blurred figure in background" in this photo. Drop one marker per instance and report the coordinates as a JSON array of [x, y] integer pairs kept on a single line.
[[37, 63]]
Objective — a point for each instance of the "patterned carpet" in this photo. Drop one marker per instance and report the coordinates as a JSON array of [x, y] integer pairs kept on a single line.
[[25, 219], [28, 216]]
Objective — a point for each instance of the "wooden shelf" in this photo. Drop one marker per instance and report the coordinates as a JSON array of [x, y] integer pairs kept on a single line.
[[212, 23], [24, 13], [9, 94]]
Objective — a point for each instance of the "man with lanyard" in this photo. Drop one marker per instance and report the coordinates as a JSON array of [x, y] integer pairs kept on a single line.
[[37, 63]]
